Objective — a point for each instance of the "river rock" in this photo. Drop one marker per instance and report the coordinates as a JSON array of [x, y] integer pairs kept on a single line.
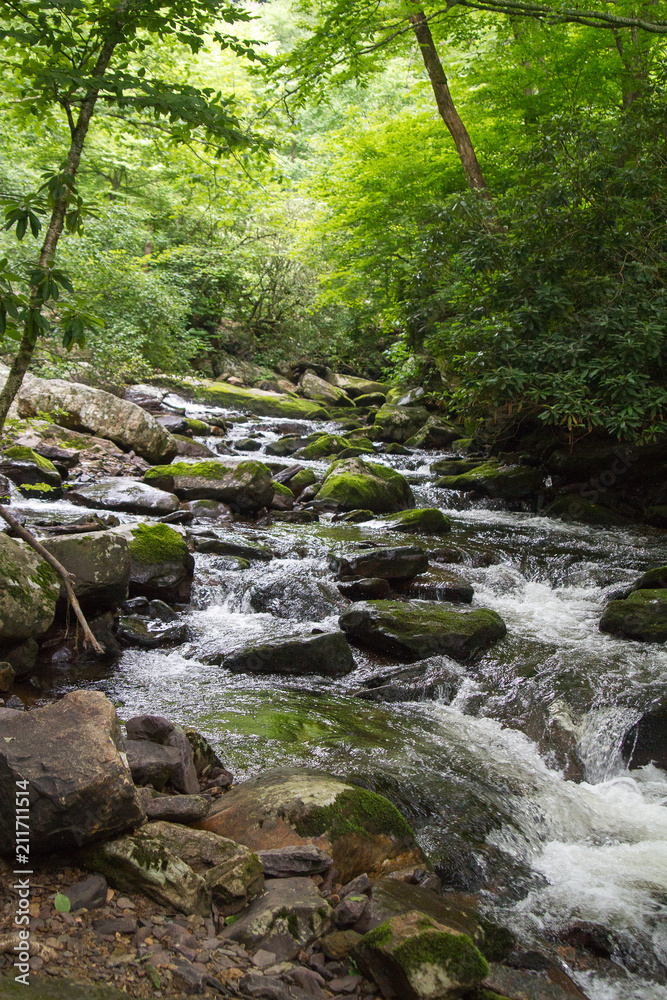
[[286, 862], [257, 401], [646, 741], [356, 484], [142, 863], [99, 561], [289, 915], [187, 448], [232, 874], [333, 444], [207, 510], [436, 677], [149, 633], [82, 408], [28, 593], [229, 547], [454, 466], [174, 808], [155, 729], [26, 468], [247, 486], [417, 629], [361, 830], [654, 579], [392, 563], [7, 676], [438, 584], [328, 654], [491, 479], [161, 564], [641, 616], [90, 893], [546, 984], [80, 787], [425, 520], [150, 763], [313, 387], [413, 957], [367, 589], [204, 756], [398, 423], [126, 495], [355, 387], [435, 433], [574, 508], [286, 445]]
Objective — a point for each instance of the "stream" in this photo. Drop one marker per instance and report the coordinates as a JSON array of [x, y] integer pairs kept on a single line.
[[512, 775]]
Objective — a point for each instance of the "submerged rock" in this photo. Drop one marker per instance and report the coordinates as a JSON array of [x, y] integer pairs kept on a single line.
[[126, 495], [68, 753], [399, 563], [646, 741], [415, 630], [247, 486], [289, 915], [641, 616], [328, 654], [28, 593], [359, 485], [361, 830], [432, 678]]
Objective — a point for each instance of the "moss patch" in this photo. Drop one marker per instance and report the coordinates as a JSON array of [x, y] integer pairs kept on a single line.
[[153, 544], [197, 426], [359, 485], [23, 454], [427, 519], [282, 490], [455, 953], [355, 811], [302, 479]]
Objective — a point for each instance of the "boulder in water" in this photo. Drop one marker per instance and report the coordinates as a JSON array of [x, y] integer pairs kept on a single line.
[[491, 479], [125, 495], [641, 616], [398, 423], [646, 742], [355, 484], [313, 387], [435, 433], [28, 593], [423, 520], [399, 563], [575, 508], [99, 561], [262, 404], [247, 486], [438, 584], [361, 830], [160, 562], [328, 654], [414, 630], [334, 444], [26, 468], [68, 754]]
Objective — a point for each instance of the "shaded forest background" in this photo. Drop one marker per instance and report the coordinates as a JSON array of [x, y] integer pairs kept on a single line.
[[352, 238]]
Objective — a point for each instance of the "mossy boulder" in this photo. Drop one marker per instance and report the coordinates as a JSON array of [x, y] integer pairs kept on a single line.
[[575, 508], [28, 592], [334, 444], [454, 466], [283, 498], [197, 426], [641, 616], [313, 387], [400, 563], [362, 830], [356, 387], [436, 433], [370, 399], [160, 562], [491, 479], [414, 630], [25, 467], [99, 561], [414, 957], [298, 483], [398, 423], [247, 486], [287, 445], [258, 402], [356, 484], [427, 520], [654, 579]]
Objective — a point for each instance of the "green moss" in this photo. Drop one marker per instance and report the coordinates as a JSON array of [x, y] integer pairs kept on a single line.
[[283, 490], [23, 454], [197, 426], [355, 811], [292, 922], [203, 470], [453, 952], [38, 488], [496, 480], [427, 519], [263, 404], [359, 485], [153, 544], [148, 854], [642, 616], [302, 479], [498, 941], [325, 444], [378, 937]]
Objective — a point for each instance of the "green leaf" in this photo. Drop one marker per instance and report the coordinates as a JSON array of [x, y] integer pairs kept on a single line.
[[62, 903]]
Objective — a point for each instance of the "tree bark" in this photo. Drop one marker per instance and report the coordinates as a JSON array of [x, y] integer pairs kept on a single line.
[[446, 106], [56, 225], [88, 637]]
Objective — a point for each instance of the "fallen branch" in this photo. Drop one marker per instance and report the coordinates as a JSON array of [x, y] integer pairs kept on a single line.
[[88, 637]]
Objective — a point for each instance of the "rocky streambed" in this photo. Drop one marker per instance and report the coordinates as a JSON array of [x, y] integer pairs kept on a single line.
[[310, 589]]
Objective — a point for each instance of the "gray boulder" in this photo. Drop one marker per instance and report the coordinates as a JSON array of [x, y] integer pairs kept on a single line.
[[99, 561], [125, 495], [398, 423], [150, 763], [287, 862], [399, 563], [247, 486], [289, 915], [161, 564], [328, 654], [174, 808], [69, 755], [313, 387], [28, 593]]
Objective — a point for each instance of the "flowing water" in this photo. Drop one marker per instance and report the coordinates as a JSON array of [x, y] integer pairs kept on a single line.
[[515, 769]]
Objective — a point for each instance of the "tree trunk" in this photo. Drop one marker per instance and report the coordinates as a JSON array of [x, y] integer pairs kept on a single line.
[[55, 228], [446, 106]]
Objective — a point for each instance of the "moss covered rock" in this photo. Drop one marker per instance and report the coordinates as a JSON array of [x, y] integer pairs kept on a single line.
[[575, 508], [257, 401], [99, 561], [491, 479], [654, 579], [454, 466], [413, 957], [641, 616], [160, 562], [428, 520], [416, 629], [320, 391], [326, 653], [334, 444], [436, 433], [356, 484], [362, 830], [28, 592], [398, 423], [356, 387], [303, 479], [24, 466], [247, 486]]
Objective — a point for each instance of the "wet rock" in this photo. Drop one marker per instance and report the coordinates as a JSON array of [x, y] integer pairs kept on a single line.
[[99, 561], [207, 510], [301, 481], [248, 444], [518, 985], [435, 433], [247, 486], [286, 445], [417, 629], [361, 830], [150, 763], [413, 957], [427, 520], [491, 479], [160, 731], [315, 388], [146, 632], [654, 579], [175, 423], [355, 484], [82, 408], [90, 893], [398, 423], [188, 448], [287, 917], [232, 874], [355, 516], [400, 563], [228, 547], [646, 741], [333, 444], [575, 508], [204, 756], [641, 616], [7, 676], [141, 863], [174, 808], [433, 678], [80, 788], [283, 498], [22, 657], [328, 654], [126, 495], [286, 862], [262, 404], [438, 584], [374, 587], [160, 562], [356, 387], [28, 594], [584, 934], [26, 468], [454, 466]]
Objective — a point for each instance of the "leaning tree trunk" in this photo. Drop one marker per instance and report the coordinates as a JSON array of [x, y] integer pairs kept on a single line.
[[446, 106], [56, 225]]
